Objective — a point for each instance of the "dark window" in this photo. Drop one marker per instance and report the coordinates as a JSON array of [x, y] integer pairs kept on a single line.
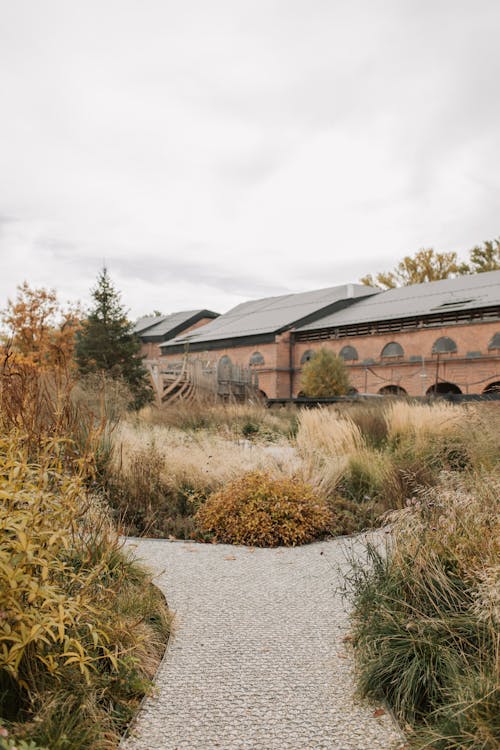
[[256, 359], [494, 343], [473, 355], [444, 345], [368, 361], [416, 358], [493, 387], [392, 390], [393, 349], [443, 388], [348, 353], [309, 354]]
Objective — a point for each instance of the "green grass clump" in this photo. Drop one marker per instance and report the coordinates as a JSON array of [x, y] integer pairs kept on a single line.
[[426, 619], [261, 511]]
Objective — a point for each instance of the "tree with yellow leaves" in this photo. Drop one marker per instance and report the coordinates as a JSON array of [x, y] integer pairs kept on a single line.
[[429, 265], [38, 328]]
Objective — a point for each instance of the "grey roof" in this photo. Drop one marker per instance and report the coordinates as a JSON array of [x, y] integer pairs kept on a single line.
[[272, 314], [461, 293], [161, 326]]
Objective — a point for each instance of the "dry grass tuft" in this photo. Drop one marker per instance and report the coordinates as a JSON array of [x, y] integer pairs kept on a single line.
[[439, 419], [324, 431]]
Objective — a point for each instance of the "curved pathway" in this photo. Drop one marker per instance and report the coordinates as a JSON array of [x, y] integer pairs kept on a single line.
[[257, 660]]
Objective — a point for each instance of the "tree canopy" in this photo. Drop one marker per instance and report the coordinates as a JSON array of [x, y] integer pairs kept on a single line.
[[429, 265], [38, 328], [325, 375], [106, 342]]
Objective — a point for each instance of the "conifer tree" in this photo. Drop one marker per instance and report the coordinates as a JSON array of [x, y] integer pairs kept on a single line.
[[106, 342]]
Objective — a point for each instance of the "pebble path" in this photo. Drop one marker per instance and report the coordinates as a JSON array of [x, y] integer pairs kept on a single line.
[[257, 659]]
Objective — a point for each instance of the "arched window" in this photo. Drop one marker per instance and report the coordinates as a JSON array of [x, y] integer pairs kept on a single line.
[[494, 343], [392, 390], [256, 359], [444, 345], [224, 368], [443, 388], [393, 349], [348, 353], [493, 387], [309, 354]]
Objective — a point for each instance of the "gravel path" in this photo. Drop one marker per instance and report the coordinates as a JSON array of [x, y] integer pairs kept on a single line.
[[257, 660]]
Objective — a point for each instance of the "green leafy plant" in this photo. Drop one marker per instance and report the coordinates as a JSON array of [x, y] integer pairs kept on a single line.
[[325, 375]]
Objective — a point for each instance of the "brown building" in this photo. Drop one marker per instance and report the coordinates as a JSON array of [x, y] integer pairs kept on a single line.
[[154, 330], [258, 334], [442, 336]]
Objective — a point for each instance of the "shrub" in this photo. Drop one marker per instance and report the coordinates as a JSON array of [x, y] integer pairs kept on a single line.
[[81, 627], [325, 375], [259, 510], [76, 656]]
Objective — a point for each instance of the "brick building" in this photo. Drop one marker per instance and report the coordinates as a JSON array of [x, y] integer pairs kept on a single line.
[[442, 336], [154, 330]]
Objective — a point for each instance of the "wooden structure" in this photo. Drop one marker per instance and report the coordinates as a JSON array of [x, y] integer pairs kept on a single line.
[[192, 379]]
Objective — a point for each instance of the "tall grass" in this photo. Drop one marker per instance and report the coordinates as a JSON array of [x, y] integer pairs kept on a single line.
[[158, 475], [363, 464], [426, 623], [233, 420]]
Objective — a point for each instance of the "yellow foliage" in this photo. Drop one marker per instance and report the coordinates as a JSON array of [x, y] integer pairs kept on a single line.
[[44, 603], [261, 511], [324, 376]]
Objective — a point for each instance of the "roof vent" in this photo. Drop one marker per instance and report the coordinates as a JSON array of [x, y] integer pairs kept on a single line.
[[455, 303]]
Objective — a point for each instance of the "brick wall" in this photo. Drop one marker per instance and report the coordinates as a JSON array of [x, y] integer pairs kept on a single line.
[[471, 375]]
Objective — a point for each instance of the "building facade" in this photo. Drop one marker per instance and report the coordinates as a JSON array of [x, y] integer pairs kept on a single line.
[[438, 337]]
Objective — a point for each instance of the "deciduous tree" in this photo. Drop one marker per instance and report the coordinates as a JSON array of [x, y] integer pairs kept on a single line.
[[486, 257], [429, 265], [425, 265], [324, 375], [38, 328]]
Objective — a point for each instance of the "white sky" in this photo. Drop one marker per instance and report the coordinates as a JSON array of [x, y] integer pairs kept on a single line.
[[211, 152]]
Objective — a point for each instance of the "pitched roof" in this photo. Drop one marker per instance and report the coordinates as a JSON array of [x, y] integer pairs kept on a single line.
[[433, 297], [160, 328], [273, 314]]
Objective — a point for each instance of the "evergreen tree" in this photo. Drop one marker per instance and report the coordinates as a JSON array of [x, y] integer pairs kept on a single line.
[[106, 342], [325, 375]]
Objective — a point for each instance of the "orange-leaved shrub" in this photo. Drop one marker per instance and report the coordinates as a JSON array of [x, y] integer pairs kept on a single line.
[[263, 511]]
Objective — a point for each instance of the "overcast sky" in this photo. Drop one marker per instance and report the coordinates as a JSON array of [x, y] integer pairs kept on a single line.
[[214, 151]]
